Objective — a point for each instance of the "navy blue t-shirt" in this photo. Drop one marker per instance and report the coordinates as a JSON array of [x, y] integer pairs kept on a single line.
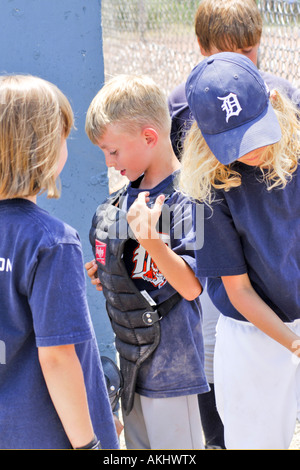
[[253, 230], [176, 368], [43, 303]]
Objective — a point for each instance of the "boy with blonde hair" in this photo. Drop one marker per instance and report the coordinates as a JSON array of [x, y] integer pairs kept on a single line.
[[146, 269]]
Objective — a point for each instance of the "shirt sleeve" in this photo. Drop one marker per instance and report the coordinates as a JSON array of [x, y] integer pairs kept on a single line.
[[283, 86], [182, 230], [222, 251], [58, 297]]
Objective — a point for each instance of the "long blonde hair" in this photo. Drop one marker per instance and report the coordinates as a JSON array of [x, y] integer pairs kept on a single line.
[[34, 115], [201, 172]]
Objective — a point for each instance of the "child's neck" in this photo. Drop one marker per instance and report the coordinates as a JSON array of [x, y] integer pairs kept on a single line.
[[31, 198], [160, 171]]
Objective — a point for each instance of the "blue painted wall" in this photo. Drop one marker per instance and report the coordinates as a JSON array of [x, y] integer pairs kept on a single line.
[[61, 41]]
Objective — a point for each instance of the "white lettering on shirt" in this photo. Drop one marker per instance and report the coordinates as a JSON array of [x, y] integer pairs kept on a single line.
[[5, 265]]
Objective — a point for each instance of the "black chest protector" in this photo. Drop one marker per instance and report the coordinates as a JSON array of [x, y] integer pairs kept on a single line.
[[134, 316]]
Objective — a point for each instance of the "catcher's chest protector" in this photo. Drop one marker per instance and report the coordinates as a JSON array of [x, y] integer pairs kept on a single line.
[[134, 319]]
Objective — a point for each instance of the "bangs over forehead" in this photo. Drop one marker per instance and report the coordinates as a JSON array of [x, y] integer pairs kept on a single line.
[[228, 24]]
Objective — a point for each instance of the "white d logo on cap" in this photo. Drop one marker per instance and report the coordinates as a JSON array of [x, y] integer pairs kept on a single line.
[[231, 105]]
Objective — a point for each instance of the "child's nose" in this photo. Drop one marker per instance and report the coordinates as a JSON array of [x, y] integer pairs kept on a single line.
[[109, 160]]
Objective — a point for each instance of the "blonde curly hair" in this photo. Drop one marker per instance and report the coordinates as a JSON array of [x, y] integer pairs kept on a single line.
[[202, 173]]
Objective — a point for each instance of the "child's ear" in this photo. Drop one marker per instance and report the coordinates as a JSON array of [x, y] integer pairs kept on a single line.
[[150, 135]]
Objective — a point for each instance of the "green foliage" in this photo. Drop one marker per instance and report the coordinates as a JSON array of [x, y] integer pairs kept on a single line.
[[137, 15]]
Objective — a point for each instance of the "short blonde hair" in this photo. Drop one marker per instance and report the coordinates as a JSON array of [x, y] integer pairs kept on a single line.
[[202, 173], [228, 25], [132, 101], [34, 115]]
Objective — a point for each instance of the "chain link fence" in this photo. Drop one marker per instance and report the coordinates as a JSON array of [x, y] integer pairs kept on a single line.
[[156, 37], [281, 38]]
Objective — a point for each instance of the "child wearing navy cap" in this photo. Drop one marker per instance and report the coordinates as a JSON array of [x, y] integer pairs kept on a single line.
[[241, 160], [220, 26]]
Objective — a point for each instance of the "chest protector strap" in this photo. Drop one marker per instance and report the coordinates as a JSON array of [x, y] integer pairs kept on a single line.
[[134, 317]]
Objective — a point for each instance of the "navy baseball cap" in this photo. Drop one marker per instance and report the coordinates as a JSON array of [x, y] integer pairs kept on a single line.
[[230, 103]]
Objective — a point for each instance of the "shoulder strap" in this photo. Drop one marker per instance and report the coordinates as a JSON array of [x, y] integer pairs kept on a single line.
[[157, 312], [115, 197]]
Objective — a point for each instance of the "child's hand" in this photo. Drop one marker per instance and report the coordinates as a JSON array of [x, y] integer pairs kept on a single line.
[[142, 220], [91, 268], [296, 348], [118, 424]]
